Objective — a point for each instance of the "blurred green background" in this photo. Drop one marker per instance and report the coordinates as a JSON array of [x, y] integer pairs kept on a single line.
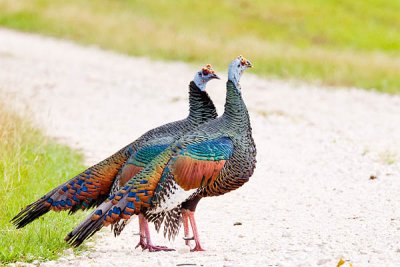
[[345, 43], [31, 165], [333, 42]]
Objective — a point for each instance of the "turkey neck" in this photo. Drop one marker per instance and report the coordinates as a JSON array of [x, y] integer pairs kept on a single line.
[[201, 107], [235, 109]]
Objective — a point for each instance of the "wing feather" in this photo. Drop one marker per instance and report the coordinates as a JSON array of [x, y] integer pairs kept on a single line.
[[200, 163]]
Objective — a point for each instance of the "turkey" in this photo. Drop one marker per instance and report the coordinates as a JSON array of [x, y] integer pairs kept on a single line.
[[217, 157], [91, 187]]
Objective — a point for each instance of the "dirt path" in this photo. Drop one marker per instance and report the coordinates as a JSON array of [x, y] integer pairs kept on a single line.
[[311, 200]]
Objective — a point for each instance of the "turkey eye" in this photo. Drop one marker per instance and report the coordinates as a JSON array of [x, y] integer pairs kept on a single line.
[[239, 66], [205, 72]]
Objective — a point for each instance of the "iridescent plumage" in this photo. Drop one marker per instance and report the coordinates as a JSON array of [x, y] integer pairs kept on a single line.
[[213, 159]]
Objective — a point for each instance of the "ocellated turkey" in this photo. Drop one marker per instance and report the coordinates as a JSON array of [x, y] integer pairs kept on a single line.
[[217, 157]]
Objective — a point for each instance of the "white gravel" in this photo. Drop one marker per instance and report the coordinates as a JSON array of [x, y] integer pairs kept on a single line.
[[311, 200]]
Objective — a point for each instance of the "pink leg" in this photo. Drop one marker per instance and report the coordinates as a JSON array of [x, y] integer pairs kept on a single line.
[[149, 245], [185, 220], [142, 243], [195, 233]]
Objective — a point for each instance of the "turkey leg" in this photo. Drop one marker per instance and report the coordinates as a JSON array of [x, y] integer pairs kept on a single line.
[[145, 240], [190, 214]]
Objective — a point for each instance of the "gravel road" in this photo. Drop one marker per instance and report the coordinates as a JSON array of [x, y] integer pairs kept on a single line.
[[311, 200]]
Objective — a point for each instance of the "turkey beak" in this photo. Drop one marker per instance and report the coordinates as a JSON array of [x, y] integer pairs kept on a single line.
[[215, 76], [248, 64]]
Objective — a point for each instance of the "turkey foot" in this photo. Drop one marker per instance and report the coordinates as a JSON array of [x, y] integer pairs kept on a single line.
[[142, 242], [145, 236], [153, 248], [197, 248]]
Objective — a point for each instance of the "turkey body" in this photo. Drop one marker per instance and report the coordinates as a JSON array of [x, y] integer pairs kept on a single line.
[[217, 157]]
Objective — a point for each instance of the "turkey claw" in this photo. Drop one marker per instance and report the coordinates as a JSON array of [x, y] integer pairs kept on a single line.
[[152, 248], [142, 244], [197, 248]]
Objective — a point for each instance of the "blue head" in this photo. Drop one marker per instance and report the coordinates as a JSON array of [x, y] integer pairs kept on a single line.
[[236, 68], [206, 74]]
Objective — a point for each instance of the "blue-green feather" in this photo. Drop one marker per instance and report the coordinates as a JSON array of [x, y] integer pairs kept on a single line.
[[215, 149], [147, 154]]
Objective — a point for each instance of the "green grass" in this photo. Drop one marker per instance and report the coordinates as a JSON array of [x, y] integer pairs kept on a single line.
[[349, 43], [31, 165]]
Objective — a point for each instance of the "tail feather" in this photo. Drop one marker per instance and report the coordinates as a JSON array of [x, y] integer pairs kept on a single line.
[[93, 223], [33, 211], [84, 231], [120, 206], [135, 197], [86, 190]]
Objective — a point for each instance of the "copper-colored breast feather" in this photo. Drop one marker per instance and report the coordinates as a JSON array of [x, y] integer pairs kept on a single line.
[[191, 173]]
